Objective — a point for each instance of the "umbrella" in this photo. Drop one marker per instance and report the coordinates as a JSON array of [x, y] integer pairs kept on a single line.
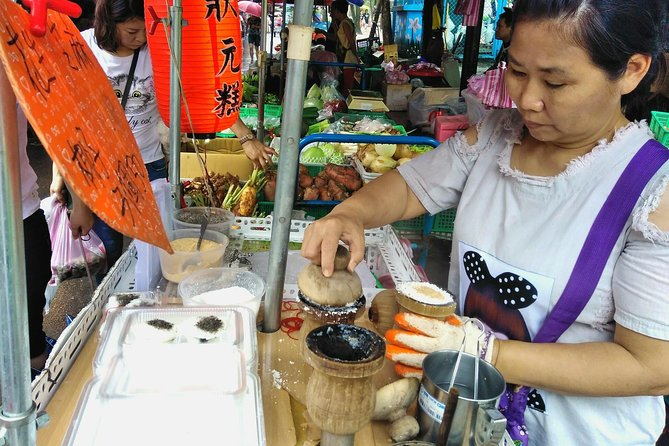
[[250, 7]]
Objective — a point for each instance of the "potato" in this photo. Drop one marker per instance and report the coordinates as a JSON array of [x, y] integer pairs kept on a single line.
[[382, 164], [403, 151]]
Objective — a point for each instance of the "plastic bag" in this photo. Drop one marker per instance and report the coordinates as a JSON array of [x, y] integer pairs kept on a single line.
[[329, 89], [67, 258]]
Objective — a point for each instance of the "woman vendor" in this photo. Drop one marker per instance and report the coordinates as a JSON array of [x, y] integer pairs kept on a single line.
[[529, 184]]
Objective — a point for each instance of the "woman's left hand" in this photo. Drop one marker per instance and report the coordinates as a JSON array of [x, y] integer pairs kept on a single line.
[[259, 154]]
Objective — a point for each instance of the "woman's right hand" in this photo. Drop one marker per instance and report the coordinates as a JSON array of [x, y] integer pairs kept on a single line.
[[57, 186], [321, 239], [81, 219]]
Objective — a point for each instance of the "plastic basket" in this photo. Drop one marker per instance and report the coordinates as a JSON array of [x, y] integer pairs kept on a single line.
[[413, 225], [443, 222], [315, 211], [271, 111], [246, 112], [366, 176], [659, 125], [358, 115]]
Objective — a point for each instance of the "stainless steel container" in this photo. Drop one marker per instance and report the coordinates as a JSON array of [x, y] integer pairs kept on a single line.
[[476, 420]]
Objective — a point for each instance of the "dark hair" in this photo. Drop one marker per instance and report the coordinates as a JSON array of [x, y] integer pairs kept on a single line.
[[340, 5], [610, 31], [506, 16], [108, 13]]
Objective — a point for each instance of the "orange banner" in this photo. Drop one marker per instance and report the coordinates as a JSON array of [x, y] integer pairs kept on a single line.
[[79, 120]]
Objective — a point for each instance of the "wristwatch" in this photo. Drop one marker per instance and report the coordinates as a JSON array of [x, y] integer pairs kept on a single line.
[[246, 138]]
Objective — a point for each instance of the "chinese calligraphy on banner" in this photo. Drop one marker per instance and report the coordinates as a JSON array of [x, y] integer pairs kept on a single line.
[[77, 117], [211, 63]]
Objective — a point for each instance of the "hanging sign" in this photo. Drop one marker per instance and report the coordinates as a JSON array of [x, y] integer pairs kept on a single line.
[[77, 117], [211, 64]]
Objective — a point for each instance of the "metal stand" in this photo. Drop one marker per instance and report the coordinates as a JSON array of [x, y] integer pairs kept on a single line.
[[175, 101], [285, 184], [18, 411]]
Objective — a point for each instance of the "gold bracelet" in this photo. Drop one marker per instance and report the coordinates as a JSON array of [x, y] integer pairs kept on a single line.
[[246, 138]]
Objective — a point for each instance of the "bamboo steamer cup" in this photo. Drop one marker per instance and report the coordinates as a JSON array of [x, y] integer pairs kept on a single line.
[[436, 311]]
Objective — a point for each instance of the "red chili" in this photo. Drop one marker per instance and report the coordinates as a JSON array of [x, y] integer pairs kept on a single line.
[[293, 323], [290, 325]]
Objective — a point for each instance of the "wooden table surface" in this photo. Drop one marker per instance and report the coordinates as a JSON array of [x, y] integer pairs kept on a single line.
[[283, 375]]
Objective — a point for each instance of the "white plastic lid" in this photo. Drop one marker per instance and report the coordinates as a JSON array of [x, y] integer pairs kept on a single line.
[[168, 419]]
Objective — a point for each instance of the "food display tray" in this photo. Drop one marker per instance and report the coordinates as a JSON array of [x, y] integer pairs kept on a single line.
[[169, 419]]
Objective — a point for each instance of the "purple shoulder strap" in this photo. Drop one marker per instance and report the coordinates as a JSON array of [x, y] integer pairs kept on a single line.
[[601, 239]]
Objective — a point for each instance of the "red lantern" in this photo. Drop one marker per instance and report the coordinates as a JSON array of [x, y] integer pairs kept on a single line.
[[211, 64]]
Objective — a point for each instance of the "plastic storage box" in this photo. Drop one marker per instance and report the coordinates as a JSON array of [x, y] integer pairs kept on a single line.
[[445, 126], [191, 217], [214, 281], [240, 331], [181, 263]]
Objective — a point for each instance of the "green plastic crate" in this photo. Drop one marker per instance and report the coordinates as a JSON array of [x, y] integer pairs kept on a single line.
[[315, 211], [359, 114], [264, 245], [272, 111], [413, 225], [443, 222], [659, 125]]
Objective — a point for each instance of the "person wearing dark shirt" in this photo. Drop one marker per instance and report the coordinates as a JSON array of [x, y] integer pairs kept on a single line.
[[503, 33]]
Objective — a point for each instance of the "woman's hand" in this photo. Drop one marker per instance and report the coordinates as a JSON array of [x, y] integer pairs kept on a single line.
[[259, 154], [81, 220], [57, 186], [321, 239]]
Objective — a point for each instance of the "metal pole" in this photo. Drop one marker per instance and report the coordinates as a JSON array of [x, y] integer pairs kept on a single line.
[[175, 102], [271, 34], [282, 55], [285, 185], [262, 73], [18, 410]]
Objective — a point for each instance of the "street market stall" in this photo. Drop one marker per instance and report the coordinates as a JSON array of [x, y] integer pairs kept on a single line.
[[272, 375]]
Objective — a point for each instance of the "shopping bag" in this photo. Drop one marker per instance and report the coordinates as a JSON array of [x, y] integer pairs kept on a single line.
[[67, 259], [493, 92]]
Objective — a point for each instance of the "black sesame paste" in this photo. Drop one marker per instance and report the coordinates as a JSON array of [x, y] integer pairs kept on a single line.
[[160, 324], [210, 324]]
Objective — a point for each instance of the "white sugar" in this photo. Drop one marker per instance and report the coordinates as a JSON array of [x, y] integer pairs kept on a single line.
[[425, 292], [226, 296]]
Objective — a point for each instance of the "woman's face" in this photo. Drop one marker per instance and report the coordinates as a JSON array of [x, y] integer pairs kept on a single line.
[[562, 96], [131, 35]]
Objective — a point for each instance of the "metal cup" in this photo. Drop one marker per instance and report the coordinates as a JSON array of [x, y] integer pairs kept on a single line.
[[476, 420]]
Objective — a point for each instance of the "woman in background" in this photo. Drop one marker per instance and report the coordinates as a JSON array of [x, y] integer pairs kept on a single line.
[[118, 36], [346, 41]]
